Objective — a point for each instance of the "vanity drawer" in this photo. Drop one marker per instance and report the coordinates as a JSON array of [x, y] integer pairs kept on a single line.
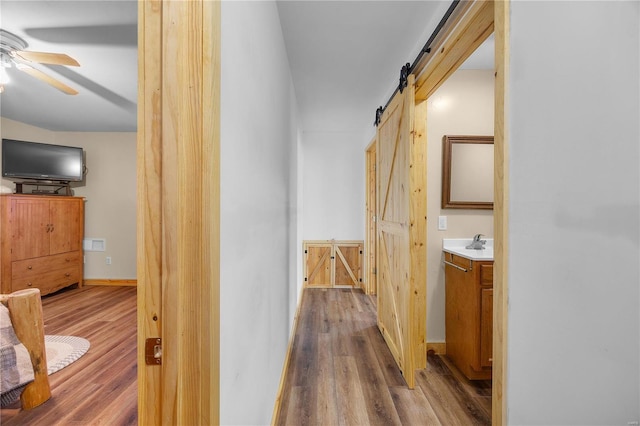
[[486, 274], [460, 261], [32, 268]]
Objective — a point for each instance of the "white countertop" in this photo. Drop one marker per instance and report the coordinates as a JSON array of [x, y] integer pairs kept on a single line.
[[457, 246]]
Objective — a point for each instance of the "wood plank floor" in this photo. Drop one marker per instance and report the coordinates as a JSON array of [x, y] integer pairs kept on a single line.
[[101, 387], [342, 373]]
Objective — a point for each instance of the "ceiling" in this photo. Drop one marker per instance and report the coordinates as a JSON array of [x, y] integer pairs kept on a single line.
[[102, 37], [345, 59], [346, 56]]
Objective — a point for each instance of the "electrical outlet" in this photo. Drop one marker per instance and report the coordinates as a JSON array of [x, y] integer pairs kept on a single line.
[[108, 260], [442, 223]]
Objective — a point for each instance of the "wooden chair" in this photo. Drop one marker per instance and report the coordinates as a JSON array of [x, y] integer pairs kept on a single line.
[[25, 311]]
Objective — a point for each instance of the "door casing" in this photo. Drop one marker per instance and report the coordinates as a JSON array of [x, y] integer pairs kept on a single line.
[[179, 210]]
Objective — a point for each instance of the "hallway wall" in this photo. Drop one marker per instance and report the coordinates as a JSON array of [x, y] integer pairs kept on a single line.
[[333, 186], [259, 217], [574, 220]]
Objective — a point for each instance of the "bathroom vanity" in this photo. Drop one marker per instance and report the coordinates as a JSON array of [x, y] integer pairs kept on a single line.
[[469, 307]]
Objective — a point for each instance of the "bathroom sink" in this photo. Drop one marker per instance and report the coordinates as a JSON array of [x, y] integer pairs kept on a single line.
[[457, 246]]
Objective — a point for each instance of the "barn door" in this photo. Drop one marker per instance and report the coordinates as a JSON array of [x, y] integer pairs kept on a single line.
[[333, 263], [401, 237], [318, 264], [348, 264]]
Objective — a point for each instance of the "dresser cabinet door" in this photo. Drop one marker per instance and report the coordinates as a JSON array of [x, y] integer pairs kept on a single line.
[[30, 228], [67, 219]]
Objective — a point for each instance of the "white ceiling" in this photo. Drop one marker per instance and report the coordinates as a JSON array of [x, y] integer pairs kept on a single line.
[[346, 56], [102, 37], [345, 59]]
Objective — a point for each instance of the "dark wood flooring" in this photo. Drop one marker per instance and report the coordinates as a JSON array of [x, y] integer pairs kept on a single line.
[[100, 387], [342, 373]]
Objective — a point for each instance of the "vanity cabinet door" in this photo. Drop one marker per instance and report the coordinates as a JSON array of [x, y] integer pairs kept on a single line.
[[486, 327]]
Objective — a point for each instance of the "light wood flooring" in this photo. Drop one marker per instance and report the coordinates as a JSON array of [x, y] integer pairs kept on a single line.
[[341, 372], [100, 387]]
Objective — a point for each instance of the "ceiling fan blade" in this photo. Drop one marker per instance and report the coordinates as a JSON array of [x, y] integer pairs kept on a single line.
[[47, 79], [46, 58]]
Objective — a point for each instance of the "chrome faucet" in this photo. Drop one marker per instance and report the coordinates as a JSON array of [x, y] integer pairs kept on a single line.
[[477, 243]]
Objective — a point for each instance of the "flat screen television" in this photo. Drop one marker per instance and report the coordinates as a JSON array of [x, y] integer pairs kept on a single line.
[[41, 161]]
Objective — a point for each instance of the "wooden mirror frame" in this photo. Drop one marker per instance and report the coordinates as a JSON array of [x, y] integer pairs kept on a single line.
[[447, 147]]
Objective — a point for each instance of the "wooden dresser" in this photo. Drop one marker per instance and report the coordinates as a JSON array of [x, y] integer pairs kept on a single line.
[[41, 244]]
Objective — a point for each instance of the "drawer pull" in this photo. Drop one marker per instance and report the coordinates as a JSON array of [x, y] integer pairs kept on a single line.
[[29, 284], [67, 275], [29, 267]]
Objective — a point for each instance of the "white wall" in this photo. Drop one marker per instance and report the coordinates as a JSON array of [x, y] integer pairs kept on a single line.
[[333, 186], [110, 200], [109, 190], [573, 322], [295, 226], [259, 151], [463, 105]]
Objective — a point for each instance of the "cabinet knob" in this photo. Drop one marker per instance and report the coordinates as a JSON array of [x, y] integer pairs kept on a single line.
[[29, 284], [67, 275], [29, 267]]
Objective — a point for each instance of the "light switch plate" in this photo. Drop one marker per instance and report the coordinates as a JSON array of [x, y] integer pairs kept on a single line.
[[442, 223]]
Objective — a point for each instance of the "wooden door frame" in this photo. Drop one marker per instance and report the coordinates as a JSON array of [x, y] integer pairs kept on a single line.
[[370, 284], [460, 39], [178, 210]]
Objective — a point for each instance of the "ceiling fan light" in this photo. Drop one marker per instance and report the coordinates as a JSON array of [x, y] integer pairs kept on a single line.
[[4, 76]]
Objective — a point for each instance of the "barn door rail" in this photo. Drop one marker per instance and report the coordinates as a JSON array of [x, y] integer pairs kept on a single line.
[[409, 68]]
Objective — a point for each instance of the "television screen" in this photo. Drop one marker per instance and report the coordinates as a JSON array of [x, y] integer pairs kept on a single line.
[[40, 161]]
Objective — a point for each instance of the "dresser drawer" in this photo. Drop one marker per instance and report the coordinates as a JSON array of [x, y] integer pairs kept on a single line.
[[31, 269], [49, 281]]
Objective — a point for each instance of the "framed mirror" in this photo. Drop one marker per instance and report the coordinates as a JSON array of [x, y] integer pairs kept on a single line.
[[467, 172]]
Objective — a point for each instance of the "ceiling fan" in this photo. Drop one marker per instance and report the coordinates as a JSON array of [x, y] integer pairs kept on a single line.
[[12, 54]]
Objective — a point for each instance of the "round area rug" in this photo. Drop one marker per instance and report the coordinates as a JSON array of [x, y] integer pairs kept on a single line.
[[61, 351]]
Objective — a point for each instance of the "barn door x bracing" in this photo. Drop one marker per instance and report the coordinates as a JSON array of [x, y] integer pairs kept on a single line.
[[401, 236]]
